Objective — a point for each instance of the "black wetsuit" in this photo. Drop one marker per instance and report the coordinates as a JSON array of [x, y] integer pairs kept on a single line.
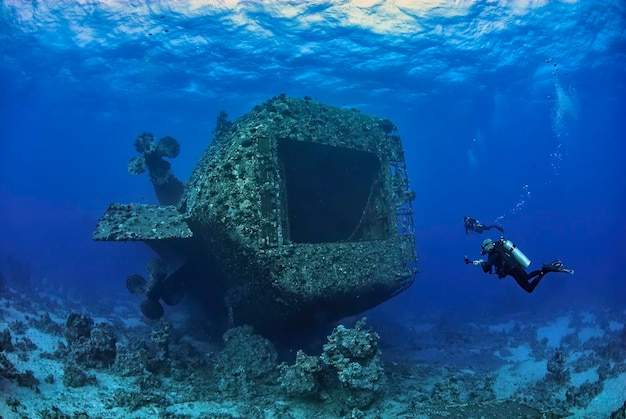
[[472, 224], [506, 264]]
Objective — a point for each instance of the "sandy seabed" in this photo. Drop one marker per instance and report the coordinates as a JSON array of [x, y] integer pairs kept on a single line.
[[561, 365]]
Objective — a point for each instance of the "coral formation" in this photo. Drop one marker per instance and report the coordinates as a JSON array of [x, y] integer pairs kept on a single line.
[[6, 344], [8, 370], [78, 326], [349, 368], [25, 344], [246, 362], [74, 376], [53, 412], [301, 378], [557, 370], [90, 345], [45, 324], [581, 396], [159, 359]]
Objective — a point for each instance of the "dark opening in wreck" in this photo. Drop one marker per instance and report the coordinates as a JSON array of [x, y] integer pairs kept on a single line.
[[329, 193]]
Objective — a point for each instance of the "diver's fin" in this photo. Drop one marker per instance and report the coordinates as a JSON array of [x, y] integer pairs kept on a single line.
[[556, 266]]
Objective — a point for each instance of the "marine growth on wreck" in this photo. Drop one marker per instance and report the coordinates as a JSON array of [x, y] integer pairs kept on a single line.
[[298, 213]]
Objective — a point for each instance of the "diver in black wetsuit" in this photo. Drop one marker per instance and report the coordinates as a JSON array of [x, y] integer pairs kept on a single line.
[[509, 260], [472, 224]]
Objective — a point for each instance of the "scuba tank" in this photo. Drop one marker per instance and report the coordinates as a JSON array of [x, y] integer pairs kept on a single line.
[[517, 254]]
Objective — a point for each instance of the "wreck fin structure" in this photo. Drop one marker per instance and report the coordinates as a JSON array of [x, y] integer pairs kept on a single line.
[[141, 222]]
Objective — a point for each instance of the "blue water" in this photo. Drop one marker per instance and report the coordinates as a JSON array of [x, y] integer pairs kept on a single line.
[[509, 111]]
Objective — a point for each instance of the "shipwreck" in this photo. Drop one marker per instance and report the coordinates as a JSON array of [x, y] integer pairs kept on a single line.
[[297, 214]]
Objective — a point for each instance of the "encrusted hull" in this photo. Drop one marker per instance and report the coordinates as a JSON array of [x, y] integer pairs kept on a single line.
[[302, 211]]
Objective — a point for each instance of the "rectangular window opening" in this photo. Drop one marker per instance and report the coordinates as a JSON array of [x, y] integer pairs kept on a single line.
[[331, 194]]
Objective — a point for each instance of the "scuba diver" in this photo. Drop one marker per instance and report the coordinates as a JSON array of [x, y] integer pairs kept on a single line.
[[509, 260], [472, 224]]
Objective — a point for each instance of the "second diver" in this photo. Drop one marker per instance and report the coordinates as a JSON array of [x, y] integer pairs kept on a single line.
[[472, 224]]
